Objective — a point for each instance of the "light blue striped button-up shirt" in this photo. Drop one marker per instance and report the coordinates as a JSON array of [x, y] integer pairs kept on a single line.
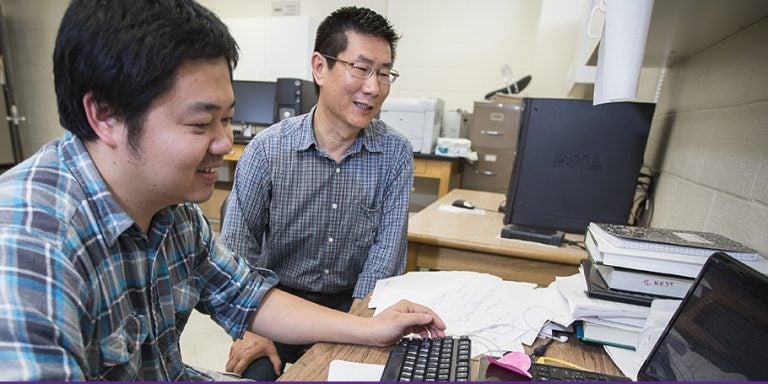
[[322, 226]]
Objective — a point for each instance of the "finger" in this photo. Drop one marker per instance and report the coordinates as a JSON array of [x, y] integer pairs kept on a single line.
[[274, 357], [231, 363], [415, 322], [417, 308], [241, 366], [276, 362], [437, 322]]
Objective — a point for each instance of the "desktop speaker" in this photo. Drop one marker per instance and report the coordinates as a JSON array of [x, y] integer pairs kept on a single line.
[[294, 97]]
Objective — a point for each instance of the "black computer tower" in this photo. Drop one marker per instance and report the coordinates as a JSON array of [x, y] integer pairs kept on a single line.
[[576, 162], [294, 97]]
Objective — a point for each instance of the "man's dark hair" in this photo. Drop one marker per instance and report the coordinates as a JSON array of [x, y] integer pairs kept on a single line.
[[127, 52], [331, 37]]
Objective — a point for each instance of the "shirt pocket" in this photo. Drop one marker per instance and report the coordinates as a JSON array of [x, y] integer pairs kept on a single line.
[[366, 225], [185, 295], [121, 350]]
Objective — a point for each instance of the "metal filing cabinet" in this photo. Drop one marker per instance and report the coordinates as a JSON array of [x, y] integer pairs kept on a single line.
[[494, 130]]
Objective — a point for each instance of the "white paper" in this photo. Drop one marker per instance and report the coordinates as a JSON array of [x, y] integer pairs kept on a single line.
[[498, 315], [341, 370], [573, 289], [628, 361], [621, 51]]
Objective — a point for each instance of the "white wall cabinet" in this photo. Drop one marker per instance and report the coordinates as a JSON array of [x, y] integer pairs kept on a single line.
[[273, 47]]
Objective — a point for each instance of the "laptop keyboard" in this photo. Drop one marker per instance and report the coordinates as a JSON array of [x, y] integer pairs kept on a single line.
[[432, 359], [544, 372]]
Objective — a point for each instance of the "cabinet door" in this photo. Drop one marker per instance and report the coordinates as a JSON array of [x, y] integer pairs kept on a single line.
[[6, 147], [250, 35], [495, 125], [273, 47], [10, 141], [491, 172]]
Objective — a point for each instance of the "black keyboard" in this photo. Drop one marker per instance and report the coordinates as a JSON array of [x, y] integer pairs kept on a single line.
[[433, 359], [542, 372]]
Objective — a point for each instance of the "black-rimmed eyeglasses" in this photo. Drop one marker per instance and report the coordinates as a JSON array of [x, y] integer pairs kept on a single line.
[[365, 71]]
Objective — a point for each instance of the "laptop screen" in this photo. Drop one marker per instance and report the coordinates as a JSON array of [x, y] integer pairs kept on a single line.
[[720, 330]]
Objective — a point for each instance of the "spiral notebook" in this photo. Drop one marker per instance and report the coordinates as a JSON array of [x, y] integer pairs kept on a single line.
[[671, 240]]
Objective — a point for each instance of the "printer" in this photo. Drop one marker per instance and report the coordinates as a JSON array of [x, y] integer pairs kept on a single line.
[[417, 118]]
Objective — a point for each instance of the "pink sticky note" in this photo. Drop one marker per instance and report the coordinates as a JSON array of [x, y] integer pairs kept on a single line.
[[517, 362]]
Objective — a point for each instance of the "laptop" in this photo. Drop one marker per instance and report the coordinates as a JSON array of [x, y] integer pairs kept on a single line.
[[718, 333], [720, 330]]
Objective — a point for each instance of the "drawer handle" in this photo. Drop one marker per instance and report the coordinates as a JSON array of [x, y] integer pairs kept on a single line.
[[488, 173], [491, 133]]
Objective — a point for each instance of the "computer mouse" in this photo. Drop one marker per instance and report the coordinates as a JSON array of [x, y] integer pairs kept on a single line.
[[463, 204]]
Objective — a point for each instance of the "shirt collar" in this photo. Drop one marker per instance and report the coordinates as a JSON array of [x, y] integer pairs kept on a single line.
[[369, 138], [112, 218]]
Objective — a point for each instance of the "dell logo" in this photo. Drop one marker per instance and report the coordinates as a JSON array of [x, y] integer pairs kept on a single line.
[[577, 162]]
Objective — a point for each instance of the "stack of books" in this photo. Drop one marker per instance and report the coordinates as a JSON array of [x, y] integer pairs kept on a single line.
[[639, 264]]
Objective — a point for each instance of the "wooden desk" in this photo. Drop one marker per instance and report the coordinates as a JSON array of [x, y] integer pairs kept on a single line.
[[463, 241], [444, 169], [313, 366]]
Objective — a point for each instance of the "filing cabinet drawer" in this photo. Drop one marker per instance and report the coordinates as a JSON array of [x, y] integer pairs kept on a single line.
[[491, 172], [495, 125]]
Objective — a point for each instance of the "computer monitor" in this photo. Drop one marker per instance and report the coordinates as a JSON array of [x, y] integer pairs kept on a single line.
[[254, 102], [719, 331], [576, 163]]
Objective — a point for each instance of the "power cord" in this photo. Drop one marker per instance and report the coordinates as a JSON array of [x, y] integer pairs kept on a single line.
[[541, 349], [537, 356]]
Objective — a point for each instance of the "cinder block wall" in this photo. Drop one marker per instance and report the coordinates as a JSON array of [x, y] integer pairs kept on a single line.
[[709, 140]]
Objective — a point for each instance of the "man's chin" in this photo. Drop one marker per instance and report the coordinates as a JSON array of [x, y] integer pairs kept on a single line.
[[200, 197]]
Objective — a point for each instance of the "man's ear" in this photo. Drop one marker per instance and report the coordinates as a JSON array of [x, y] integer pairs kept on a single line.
[[102, 120], [319, 68]]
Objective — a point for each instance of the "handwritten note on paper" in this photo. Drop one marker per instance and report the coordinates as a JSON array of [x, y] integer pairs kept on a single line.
[[496, 314]]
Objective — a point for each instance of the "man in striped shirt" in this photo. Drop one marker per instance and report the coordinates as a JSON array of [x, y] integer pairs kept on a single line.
[[322, 198], [103, 253]]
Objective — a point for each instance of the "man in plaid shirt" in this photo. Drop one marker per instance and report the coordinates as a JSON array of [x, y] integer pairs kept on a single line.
[[103, 253]]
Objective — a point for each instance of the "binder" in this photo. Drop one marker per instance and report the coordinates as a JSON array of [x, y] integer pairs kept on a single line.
[[597, 289]]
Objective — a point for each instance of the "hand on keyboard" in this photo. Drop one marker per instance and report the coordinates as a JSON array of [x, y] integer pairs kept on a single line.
[[403, 319]]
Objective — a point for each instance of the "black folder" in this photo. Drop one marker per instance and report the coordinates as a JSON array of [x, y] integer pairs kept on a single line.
[[598, 289]]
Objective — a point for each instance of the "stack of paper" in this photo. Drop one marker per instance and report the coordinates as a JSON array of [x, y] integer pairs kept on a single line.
[[664, 251], [629, 361], [602, 321], [573, 288], [639, 264], [502, 315], [498, 315]]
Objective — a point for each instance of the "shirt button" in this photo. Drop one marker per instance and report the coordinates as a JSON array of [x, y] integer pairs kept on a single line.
[[130, 348], [334, 206], [330, 239], [326, 271], [338, 170]]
